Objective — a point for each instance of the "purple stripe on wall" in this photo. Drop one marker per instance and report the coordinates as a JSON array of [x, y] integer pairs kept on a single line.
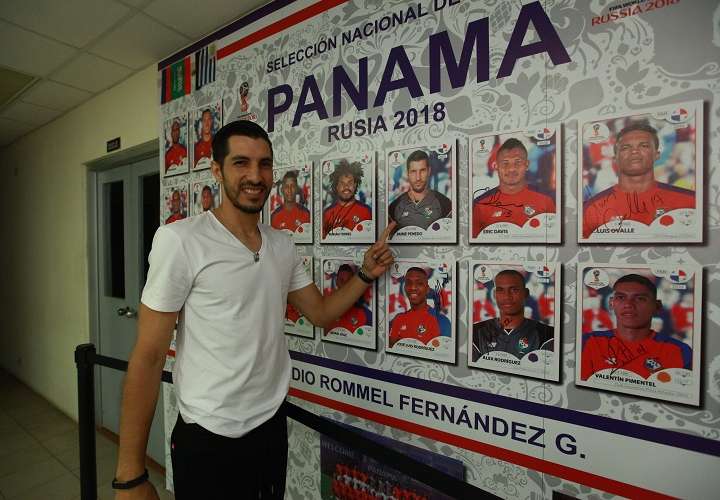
[[256, 15]]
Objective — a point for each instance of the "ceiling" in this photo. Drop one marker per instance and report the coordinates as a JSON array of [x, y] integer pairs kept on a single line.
[[58, 54]]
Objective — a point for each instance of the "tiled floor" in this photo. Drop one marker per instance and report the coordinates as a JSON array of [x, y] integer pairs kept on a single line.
[[39, 458]]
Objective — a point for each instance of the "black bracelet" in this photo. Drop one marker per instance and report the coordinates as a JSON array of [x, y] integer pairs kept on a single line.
[[367, 279], [117, 485]]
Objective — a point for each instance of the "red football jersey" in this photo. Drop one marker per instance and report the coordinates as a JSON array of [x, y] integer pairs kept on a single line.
[[175, 155], [174, 217], [354, 318], [203, 149], [292, 314], [290, 219], [347, 216], [496, 206], [419, 324], [644, 207], [604, 349]]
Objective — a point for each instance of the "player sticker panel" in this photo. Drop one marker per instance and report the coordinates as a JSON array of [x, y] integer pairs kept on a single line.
[[348, 199], [640, 330], [175, 199], [642, 176], [357, 326], [205, 122], [206, 192], [420, 318], [295, 322], [515, 186], [421, 191], [515, 318], [175, 146], [290, 205]]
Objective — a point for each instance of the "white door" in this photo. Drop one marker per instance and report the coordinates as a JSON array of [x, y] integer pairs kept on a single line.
[[128, 213]]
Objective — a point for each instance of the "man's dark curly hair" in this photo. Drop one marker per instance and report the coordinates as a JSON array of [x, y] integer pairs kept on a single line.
[[346, 168]]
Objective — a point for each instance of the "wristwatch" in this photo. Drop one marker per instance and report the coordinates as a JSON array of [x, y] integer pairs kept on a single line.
[[126, 485]]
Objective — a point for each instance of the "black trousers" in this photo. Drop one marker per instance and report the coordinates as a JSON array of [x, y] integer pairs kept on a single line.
[[209, 466]]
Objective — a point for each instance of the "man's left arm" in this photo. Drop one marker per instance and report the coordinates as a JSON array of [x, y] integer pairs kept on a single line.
[[323, 310]]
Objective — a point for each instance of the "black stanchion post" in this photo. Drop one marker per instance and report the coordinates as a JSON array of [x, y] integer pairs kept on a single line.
[[84, 359]]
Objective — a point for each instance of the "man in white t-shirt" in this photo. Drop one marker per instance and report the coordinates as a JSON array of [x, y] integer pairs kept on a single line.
[[225, 279]]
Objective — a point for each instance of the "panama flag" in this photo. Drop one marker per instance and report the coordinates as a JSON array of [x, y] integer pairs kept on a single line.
[[543, 134], [679, 115], [679, 276], [544, 272]]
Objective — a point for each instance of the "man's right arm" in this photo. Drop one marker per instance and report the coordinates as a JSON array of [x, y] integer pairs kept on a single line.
[[140, 395]]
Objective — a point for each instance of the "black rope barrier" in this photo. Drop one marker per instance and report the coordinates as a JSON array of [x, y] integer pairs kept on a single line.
[[86, 358]]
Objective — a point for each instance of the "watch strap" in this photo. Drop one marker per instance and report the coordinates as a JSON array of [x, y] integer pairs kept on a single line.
[[126, 485], [367, 279]]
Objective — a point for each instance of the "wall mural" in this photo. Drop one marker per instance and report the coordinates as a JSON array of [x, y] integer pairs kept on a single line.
[[552, 168]]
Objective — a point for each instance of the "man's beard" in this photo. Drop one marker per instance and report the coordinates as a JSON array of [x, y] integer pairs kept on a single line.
[[233, 195], [343, 199]]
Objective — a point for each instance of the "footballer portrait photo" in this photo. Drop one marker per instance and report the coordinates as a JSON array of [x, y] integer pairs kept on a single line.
[[642, 177], [420, 303], [205, 122], [290, 203], [348, 199], [515, 186], [514, 318], [206, 192], [295, 322], [174, 202], [356, 326], [639, 329], [175, 146], [421, 188]]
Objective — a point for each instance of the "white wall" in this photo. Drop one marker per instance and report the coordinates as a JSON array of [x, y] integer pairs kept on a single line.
[[44, 303]]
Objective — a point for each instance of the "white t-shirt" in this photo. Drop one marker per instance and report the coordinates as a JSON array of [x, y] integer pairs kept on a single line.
[[232, 369]]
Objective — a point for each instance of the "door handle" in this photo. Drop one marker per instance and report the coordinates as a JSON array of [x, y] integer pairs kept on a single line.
[[128, 312]]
